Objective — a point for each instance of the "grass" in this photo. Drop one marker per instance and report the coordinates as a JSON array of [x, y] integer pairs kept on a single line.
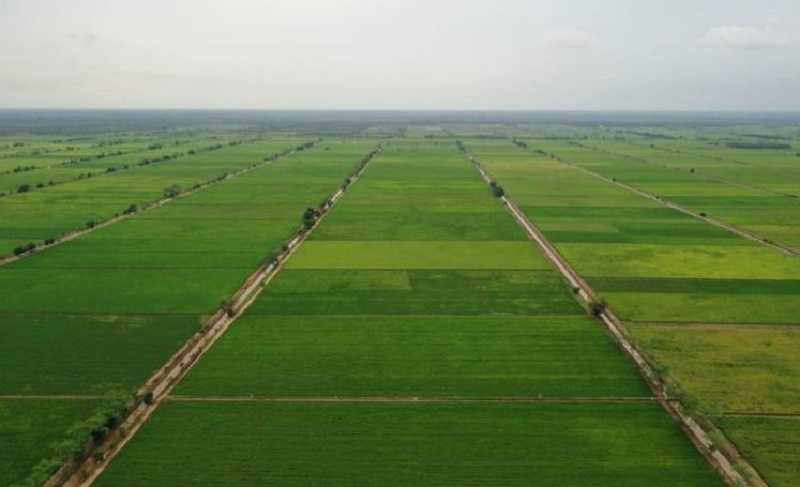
[[391, 355], [86, 354], [30, 431], [652, 263], [409, 444], [52, 211], [417, 292], [741, 369], [401, 254], [771, 442], [104, 311]]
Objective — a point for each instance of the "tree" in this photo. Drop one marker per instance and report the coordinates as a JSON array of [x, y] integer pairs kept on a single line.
[[497, 190], [24, 188], [310, 217]]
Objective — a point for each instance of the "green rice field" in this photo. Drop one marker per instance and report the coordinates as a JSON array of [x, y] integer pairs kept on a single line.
[[417, 335]]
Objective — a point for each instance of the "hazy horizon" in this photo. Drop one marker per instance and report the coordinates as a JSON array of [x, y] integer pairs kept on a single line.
[[310, 55]]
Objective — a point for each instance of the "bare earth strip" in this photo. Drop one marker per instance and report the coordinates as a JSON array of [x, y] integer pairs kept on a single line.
[[693, 430], [156, 204], [161, 384]]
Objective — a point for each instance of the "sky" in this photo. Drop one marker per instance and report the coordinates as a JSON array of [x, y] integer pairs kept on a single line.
[[738, 55]]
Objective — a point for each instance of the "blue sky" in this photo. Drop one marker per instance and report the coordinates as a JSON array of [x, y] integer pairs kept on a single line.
[[380, 54]]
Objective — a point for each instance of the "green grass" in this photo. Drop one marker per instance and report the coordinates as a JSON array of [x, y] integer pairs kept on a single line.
[[102, 312], [740, 369], [409, 444], [402, 254], [771, 442], [416, 292], [52, 211], [392, 355], [30, 429], [86, 354], [652, 263]]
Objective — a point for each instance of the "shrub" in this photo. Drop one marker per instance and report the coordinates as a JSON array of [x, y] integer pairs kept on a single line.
[[91, 224], [497, 190], [597, 306], [172, 191], [49, 241], [227, 306], [24, 188], [131, 209], [148, 398], [24, 249], [310, 217]]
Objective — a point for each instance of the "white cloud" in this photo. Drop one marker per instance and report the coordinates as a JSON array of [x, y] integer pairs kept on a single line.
[[742, 37], [570, 39]]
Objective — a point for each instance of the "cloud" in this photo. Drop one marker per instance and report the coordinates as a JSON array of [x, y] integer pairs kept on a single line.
[[570, 39], [742, 37]]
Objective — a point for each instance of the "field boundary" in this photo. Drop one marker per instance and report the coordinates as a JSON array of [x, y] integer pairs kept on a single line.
[[747, 234], [159, 386], [416, 399], [727, 467], [715, 179], [73, 234]]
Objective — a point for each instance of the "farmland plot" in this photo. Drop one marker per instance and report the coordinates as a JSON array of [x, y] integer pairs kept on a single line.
[[426, 351], [718, 298], [101, 313], [758, 193], [50, 212]]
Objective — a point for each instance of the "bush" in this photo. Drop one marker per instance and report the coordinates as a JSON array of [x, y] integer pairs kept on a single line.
[[91, 224], [24, 188], [131, 209], [148, 398], [310, 217], [497, 190], [227, 306], [172, 191], [597, 306], [24, 249], [49, 241]]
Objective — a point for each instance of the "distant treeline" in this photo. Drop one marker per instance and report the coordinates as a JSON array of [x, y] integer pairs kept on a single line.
[[769, 137], [653, 135], [759, 145]]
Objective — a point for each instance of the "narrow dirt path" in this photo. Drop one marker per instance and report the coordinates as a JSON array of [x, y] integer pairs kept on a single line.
[[71, 235], [412, 399], [726, 466], [161, 384], [51, 397], [757, 414]]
